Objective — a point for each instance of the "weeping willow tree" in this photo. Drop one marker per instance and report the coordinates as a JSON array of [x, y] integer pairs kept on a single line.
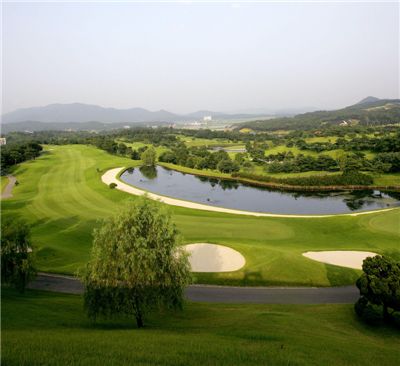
[[136, 265]]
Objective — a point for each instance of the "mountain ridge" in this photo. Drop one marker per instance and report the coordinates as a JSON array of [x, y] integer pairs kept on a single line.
[[81, 112]]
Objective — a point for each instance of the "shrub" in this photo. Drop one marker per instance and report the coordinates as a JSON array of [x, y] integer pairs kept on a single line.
[[112, 185]]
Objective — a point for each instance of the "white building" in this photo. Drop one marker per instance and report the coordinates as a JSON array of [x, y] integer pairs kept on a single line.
[[2, 141], [207, 118]]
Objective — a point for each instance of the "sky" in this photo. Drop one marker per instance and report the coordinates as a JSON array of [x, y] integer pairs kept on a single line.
[[183, 57]]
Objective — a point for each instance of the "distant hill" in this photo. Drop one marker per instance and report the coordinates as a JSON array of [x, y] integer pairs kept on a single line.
[[78, 112], [34, 126], [368, 100], [369, 111]]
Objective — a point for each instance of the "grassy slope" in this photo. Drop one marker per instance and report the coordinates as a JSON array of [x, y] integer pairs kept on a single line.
[[42, 328], [62, 196]]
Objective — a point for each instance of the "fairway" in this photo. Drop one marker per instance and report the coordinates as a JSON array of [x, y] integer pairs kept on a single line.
[[49, 328], [62, 196]]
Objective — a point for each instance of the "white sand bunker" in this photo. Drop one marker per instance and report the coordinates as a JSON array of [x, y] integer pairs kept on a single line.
[[344, 258], [204, 257]]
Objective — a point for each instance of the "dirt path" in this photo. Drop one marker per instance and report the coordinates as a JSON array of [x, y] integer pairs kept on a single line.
[[111, 177], [7, 193], [226, 294]]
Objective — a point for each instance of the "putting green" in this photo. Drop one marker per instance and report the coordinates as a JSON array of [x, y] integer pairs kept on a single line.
[[61, 194]]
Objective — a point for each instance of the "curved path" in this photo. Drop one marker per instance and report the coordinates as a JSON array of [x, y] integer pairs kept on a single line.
[[111, 176], [7, 193], [226, 294]]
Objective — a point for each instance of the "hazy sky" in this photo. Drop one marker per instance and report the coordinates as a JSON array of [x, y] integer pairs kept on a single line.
[[185, 57]]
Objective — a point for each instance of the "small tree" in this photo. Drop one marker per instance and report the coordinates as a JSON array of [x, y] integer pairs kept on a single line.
[[149, 156], [228, 166], [136, 264], [380, 290], [17, 267]]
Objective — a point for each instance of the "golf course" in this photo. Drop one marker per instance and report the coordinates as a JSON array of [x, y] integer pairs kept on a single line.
[[62, 196]]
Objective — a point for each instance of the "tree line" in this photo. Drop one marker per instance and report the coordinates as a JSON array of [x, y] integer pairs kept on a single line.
[[200, 158], [16, 153]]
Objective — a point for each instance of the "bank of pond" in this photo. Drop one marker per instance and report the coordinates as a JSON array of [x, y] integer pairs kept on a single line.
[[243, 196]]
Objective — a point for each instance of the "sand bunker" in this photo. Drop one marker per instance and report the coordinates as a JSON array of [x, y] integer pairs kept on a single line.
[[344, 258], [206, 257]]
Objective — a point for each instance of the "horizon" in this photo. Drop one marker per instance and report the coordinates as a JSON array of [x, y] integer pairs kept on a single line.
[[271, 111], [189, 57]]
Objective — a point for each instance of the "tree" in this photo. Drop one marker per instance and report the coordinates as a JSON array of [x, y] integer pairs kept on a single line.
[[135, 155], [122, 149], [168, 157], [149, 156], [17, 266], [228, 166], [349, 163], [379, 287], [240, 158], [136, 265]]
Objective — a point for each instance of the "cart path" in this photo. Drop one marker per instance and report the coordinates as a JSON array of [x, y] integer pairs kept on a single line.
[[225, 294], [7, 193]]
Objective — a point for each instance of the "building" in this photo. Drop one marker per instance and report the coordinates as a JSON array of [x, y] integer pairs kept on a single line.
[[207, 118], [3, 141]]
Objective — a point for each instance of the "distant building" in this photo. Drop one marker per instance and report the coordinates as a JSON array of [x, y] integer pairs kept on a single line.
[[207, 118], [344, 123], [2, 141], [127, 127]]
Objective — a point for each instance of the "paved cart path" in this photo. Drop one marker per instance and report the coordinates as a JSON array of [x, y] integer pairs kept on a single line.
[[226, 294]]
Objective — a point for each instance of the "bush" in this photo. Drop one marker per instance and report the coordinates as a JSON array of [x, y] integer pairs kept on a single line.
[[112, 185]]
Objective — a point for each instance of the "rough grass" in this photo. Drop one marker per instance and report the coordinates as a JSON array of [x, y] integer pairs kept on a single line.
[[62, 196], [42, 328]]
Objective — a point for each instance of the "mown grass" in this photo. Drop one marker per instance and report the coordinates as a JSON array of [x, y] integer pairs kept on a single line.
[[61, 195], [43, 328]]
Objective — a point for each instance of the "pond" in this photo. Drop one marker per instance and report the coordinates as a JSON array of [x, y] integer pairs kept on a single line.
[[234, 195]]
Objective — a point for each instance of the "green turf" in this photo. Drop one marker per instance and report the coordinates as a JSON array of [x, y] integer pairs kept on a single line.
[[43, 328], [62, 196]]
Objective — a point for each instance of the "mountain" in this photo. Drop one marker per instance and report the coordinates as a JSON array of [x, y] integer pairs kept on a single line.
[[78, 112], [368, 100], [369, 111]]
